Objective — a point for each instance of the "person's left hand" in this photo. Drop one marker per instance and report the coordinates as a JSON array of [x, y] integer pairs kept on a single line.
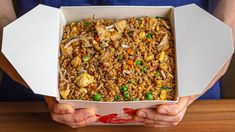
[[168, 115], [165, 115]]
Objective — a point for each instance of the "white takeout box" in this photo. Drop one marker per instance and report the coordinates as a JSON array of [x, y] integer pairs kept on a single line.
[[31, 44]]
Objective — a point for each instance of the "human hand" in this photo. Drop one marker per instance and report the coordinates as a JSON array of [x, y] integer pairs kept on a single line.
[[168, 115], [66, 114], [165, 115]]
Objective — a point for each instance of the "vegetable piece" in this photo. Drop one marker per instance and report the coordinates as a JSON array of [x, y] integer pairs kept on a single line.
[[129, 81], [129, 62], [128, 51], [149, 36], [120, 56], [157, 74], [126, 95], [97, 97], [123, 88], [165, 88], [86, 58], [87, 24], [138, 63], [149, 96], [142, 70], [119, 69], [117, 98]]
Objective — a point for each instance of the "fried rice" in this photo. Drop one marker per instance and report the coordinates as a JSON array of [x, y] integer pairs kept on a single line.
[[111, 60]]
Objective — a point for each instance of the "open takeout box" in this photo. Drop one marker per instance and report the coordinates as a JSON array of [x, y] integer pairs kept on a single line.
[[31, 44]]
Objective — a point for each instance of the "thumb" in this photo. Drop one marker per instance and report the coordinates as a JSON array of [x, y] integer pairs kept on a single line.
[[174, 109], [58, 108]]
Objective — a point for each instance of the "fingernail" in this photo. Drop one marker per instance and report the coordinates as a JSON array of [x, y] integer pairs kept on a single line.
[[142, 114], [163, 111]]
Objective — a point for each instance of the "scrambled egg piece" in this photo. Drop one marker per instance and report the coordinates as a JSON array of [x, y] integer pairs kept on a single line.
[[163, 95]]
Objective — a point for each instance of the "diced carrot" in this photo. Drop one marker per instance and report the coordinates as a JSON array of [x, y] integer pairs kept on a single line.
[[130, 62], [119, 69], [128, 51], [97, 38], [137, 69]]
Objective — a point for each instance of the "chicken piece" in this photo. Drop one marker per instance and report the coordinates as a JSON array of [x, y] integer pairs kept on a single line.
[[116, 36], [84, 80], [164, 40], [102, 32], [64, 93], [67, 51], [120, 26], [76, 61]]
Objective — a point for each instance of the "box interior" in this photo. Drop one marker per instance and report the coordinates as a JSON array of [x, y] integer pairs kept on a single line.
[[74, 14]]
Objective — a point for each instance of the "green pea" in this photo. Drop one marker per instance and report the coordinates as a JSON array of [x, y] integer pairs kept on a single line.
[[126, 95], [149, 36], [97, 97], [120, 56], [117, 97], [86, 58], [123, 88], [87, 24], [149, 96], [138, 63]]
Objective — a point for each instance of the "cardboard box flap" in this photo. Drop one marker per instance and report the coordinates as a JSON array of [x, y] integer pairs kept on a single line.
[[30, 43], [204, 43]]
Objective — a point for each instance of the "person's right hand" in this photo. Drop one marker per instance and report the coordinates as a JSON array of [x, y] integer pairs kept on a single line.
[[66, 114]]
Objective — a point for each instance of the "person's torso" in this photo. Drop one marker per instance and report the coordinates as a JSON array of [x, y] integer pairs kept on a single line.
[[23, 6]]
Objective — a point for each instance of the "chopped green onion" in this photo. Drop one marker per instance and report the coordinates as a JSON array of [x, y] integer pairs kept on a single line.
[[126, 95], [138, 63], [117, 97], [86, 58], [135, 99], [149, 36], [97, 97], [130, 33], [149, 96], [157, 74], [120, 56], [123, 88], [165, 88], [142, 70], [87, 24]]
